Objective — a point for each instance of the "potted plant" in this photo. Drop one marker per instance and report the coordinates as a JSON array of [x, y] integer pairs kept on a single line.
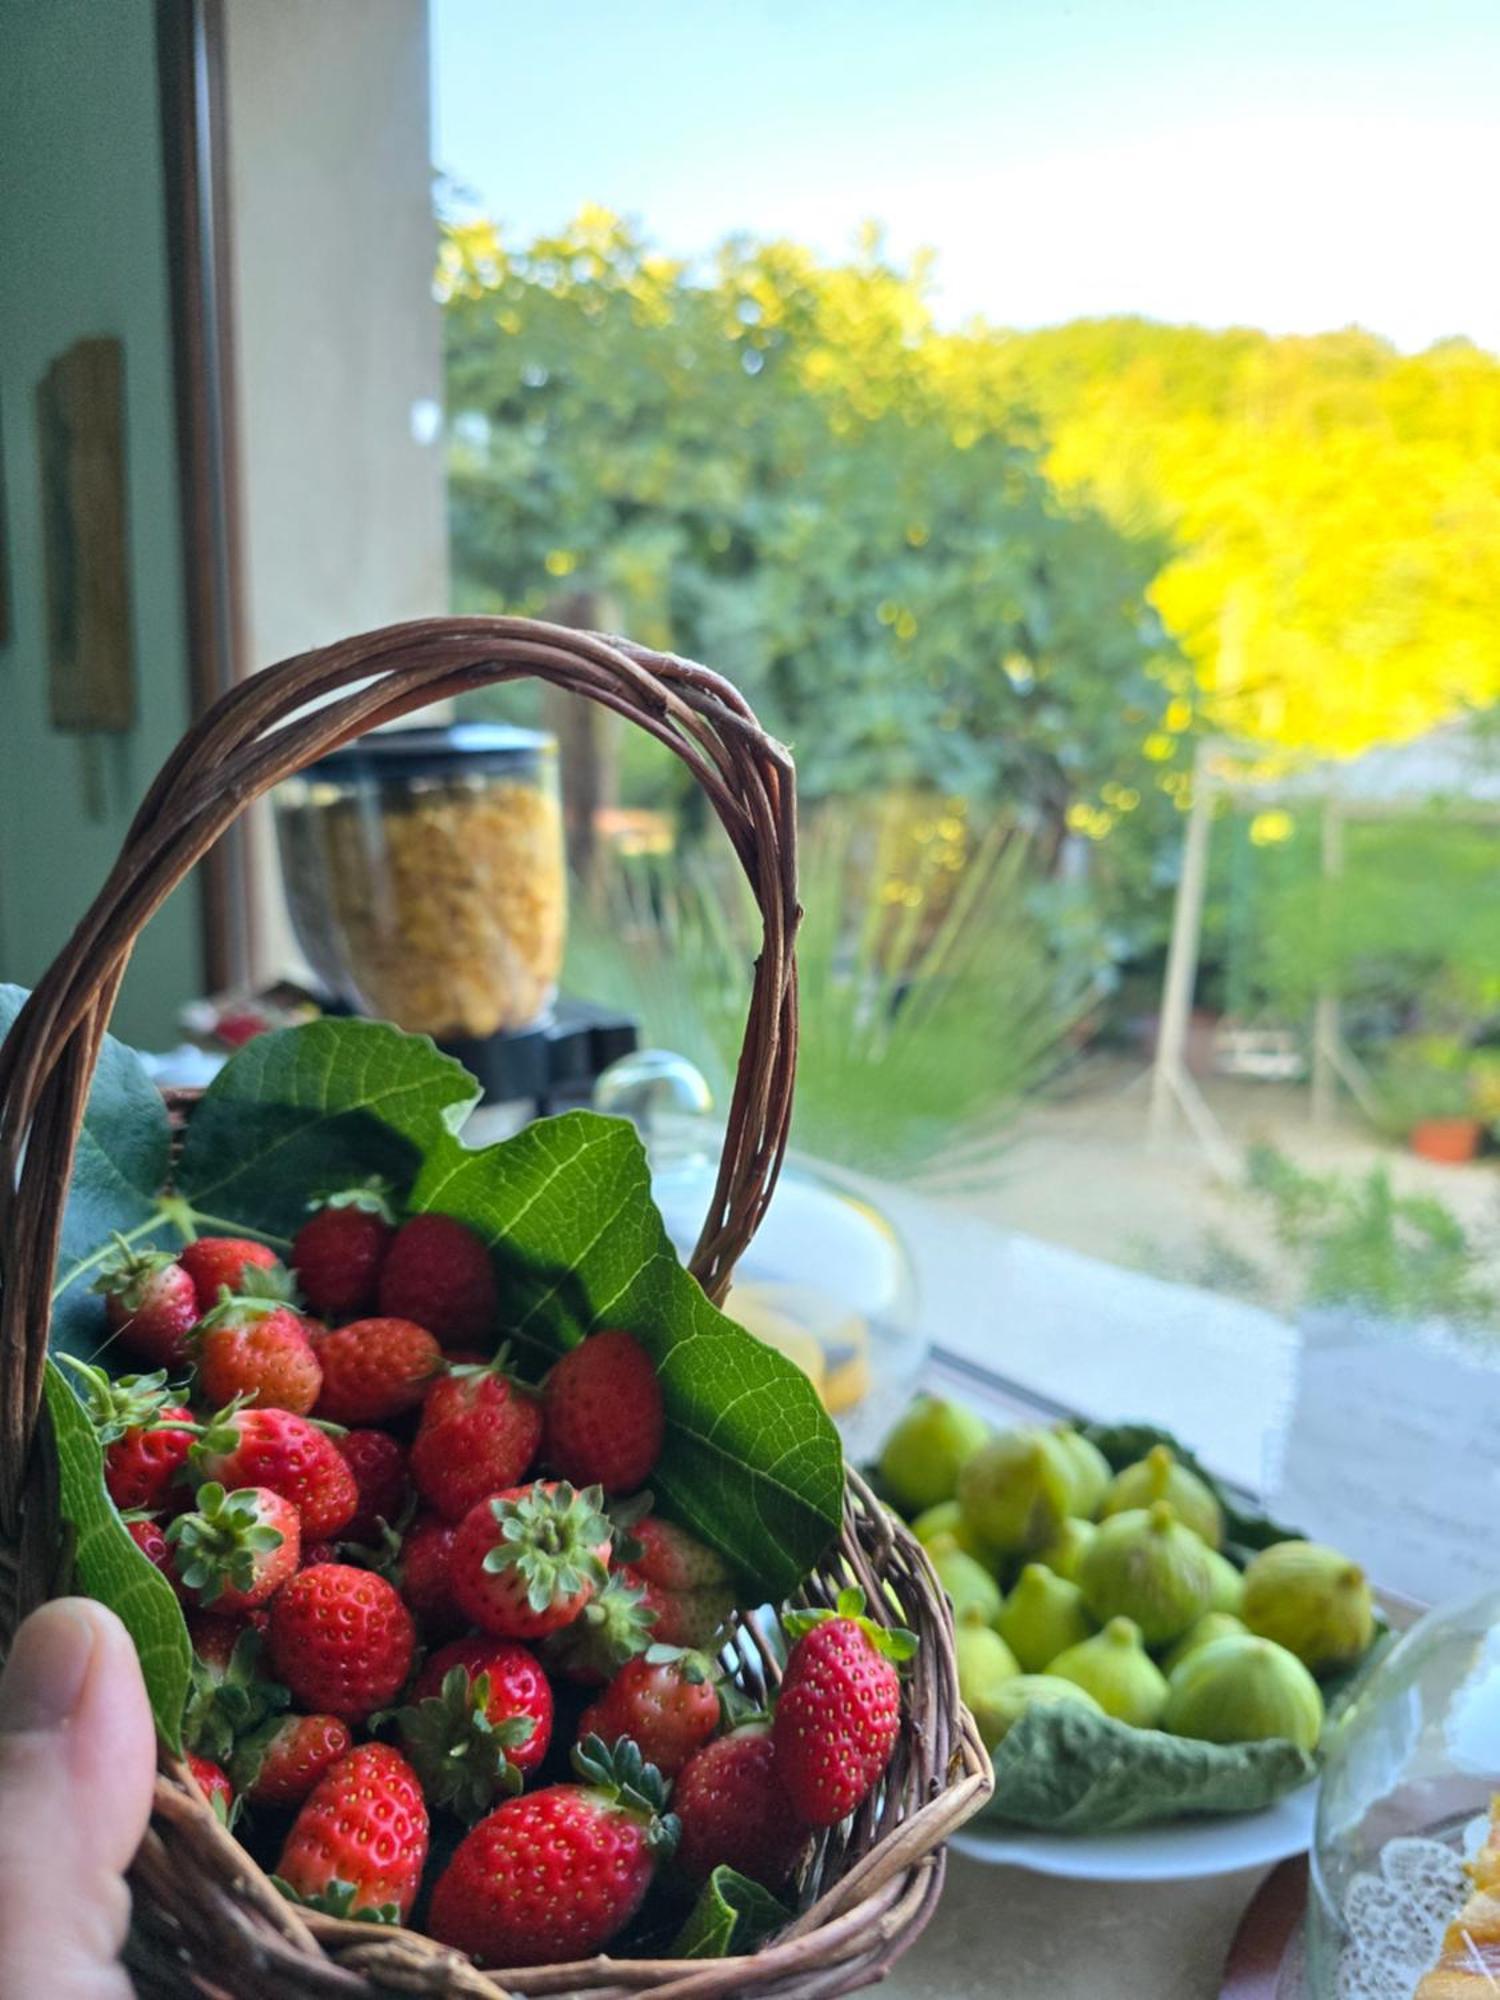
[[1427, 1098]]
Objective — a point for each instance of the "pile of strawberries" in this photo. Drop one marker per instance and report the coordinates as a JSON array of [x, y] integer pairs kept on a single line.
[[414, 1581]]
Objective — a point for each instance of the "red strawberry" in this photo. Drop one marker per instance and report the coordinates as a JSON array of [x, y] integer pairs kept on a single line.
[[613, 1627], [734, 1812], [555, 1875], [141, 1430], [527, 1561], [150, 1538], [214, 1785], [479, 1433], [337, 1255], [274, 1448], [605, 1418], [373, 1369], [480, 1715], [235, 1550], [228, 1694], [255, 1349], [279, 1763], [378, 1462], [425, 1574], [838, 1709], [150, 1302], [341, 1639], [439, 1273], [688, 1587], [219, 1263], [359, 1844], [665, 1702]]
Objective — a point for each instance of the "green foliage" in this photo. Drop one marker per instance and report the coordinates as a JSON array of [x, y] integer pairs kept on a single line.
[[732, 1915], [931, 1003], [1356, 1241]]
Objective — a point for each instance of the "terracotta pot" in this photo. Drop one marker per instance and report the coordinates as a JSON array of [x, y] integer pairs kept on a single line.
[[1450, 1140]]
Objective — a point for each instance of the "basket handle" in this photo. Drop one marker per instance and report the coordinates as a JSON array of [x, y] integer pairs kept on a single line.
[[263, 731]]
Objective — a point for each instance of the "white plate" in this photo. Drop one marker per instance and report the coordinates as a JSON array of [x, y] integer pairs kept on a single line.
[[1179, 1850]]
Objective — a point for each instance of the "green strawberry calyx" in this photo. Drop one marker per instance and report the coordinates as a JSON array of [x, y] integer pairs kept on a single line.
[[223, 1541], [131, 1403], [371, 1197], [461, 1756], [619, 1776], [336, 1899], [612, 1627], [262, 1293], [224, 1706], [892, 1642], [549, 1539], [692, 1666], [498, 1365], [127, 1273]]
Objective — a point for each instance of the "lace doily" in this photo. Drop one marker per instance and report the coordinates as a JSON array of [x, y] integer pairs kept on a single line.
[[1396, 1919]]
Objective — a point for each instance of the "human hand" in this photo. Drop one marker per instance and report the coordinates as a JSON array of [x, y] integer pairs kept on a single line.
[[77, 1761]]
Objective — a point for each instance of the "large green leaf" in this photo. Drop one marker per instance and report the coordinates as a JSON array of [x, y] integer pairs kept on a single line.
[[119, 1167], [109, 1566], [313, 1109], [732, 1915], [1065, 1770], [752, 1461]]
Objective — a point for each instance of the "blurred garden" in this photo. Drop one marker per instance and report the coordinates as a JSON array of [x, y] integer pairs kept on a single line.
[[1000, 592]]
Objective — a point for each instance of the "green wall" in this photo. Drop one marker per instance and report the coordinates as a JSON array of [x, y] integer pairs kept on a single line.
[[83, 251]]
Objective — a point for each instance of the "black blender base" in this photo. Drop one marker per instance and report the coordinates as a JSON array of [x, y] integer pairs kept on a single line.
[[553, 1065]]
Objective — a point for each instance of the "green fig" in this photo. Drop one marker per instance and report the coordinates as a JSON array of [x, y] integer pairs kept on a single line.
[[1012, 1699], [986, 1665], [920, 1460], [1015, 1491], [1228, 1584], [1042, 1617], [1064, 1554], [1244, 1691], [945, 1523], [1088, 1470], [1115, 1668], [972, 1591], [1212, 1625], [1313, 1601], [1147, 1566], [1158, 1476]]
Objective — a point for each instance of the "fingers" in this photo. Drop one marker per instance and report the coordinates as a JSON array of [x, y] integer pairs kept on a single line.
[[77, 1761]]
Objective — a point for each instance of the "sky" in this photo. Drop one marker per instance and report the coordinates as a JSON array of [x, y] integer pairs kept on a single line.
[[1292, 164]]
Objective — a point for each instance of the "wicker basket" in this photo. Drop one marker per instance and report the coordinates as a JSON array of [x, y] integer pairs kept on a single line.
[[206, 1920]]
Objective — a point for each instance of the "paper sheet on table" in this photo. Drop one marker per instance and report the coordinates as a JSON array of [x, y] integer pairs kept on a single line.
[[1393, 1454]]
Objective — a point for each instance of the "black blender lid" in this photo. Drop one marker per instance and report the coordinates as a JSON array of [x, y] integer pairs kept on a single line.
[[424, 753]]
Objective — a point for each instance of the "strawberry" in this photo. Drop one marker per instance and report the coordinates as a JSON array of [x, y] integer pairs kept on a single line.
[[479, 1717], [274, 1448], [150, 1302], [838, 1709], [605, 1417], [479, 1433], [227, 1693], [235, 1550], [378, 1462], [525, 1562], [254, 1348], [373, 1369], [555, 1875], [665, 1701], [341, 1639], [687, 1586], [359, 1843], [279, 1763], [425, 1574], [338, 1253], [734, 1812], [142, 1432], [439, 1273], [150, 1538], [314, 1553], [219, 1263], [613, 1627], [214, 1785]]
